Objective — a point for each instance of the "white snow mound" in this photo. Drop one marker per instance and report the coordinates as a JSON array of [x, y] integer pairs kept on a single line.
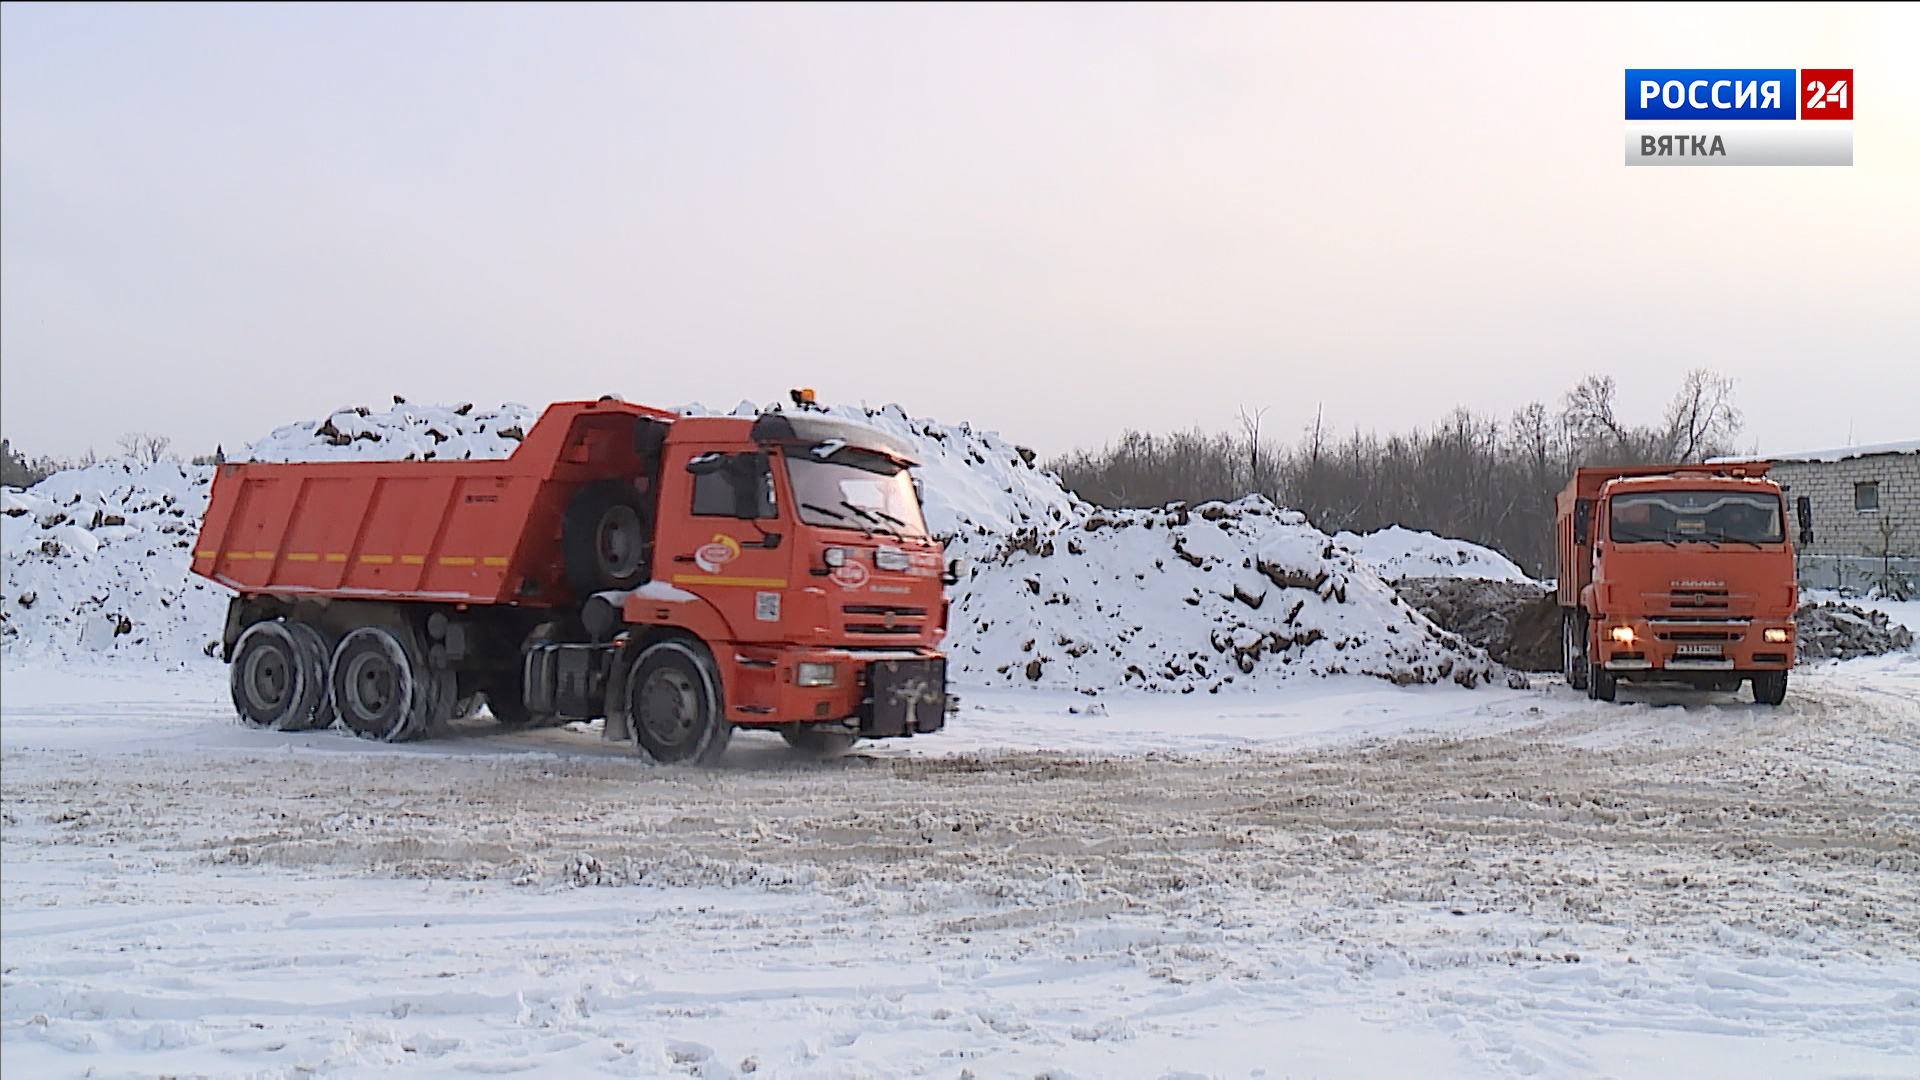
[[1058, 593], [96, 563], [1241, 594], [1396, 553], [402, 433]]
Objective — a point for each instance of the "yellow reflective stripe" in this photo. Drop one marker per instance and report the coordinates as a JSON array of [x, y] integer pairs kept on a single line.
[[239, 554], [303, 556], [381, 559], [456, 560], [749, 582], [263, 555], [413, 560], [494, 560], [206, 554], [336, 556]]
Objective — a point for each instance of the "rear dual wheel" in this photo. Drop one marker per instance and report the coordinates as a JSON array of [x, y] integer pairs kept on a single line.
[[279, 676], [1573, 647], [383, 689]]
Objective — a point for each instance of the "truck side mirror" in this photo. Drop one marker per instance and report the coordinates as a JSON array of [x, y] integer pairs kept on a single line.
[[1582, 521], [1803, 509]]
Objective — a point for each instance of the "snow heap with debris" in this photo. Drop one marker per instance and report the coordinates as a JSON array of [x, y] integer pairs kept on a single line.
[[1396, 553], [1236, 594], [96, 562], [1058, 593], [402, 433]]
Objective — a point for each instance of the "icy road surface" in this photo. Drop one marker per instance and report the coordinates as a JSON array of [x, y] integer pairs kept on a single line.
[[1344, 880]]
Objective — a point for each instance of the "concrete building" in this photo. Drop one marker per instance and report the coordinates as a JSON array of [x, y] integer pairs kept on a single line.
[[1854, 514]]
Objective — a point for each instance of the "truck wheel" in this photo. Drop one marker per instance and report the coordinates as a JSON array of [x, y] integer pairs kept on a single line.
[[672, 701], [1602, 685], [604, 539], [809, 740], [278, 676], [1769, 687], [1573, 648], [378, 688]]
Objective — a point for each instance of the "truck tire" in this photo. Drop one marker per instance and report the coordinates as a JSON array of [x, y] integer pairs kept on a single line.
[[1769, 687], [811, 741], [278, 676], [1602, 685], [379, 687], [673, 704], [1573, 647], [605, 539]]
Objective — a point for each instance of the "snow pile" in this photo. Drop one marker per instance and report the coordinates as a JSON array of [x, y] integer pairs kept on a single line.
[[96, 562], [1243, 594], [1830, 631], [1059, 593], [402, 433], [1396, 553]]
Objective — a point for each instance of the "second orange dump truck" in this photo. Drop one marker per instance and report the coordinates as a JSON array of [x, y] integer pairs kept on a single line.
[[1676, 574], [681, 577]]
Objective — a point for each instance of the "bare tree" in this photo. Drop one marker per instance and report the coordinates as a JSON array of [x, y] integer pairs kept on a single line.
[[1701, 421], [145, 447]]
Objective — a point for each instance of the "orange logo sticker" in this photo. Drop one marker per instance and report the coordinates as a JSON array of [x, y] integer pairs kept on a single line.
[[711, 557], [850, 575]]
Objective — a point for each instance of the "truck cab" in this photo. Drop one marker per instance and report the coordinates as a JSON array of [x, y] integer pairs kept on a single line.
[[1677, 574]]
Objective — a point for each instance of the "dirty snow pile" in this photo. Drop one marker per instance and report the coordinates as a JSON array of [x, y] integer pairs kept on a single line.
[[1833, 631], [1059, 593], [1396, 553], [1518, 623], [1226, 595], [96, 558], [402, 433]]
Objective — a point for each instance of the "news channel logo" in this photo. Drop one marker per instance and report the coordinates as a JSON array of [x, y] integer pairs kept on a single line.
[[1739, 116]]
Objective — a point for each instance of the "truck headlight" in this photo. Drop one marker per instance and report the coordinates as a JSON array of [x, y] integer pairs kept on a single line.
[[1624, 635], [806, 674], [1774, 636], [891, 559], [834, 556]]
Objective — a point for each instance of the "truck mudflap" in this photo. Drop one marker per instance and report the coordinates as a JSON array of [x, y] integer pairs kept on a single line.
[[904, 697]]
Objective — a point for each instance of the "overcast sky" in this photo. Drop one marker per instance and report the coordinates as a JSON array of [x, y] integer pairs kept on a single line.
[[1057, 222]]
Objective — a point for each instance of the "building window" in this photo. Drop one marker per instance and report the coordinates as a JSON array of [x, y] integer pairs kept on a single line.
[[1866, 495]]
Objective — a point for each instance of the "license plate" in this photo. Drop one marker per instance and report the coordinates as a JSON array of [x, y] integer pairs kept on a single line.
[[1696, 650]]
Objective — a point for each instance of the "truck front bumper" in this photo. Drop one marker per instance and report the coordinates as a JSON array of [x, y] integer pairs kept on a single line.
[[1696, 647], [875, 694]]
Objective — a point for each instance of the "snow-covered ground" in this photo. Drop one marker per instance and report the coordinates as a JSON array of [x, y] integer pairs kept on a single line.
[[1342, 878], [1303, 872]]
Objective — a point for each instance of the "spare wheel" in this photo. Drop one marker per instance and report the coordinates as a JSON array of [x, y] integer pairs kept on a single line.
[[605, 538]]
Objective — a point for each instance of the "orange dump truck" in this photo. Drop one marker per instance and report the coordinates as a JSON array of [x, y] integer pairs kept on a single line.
[[1677, 574], [679, 576]]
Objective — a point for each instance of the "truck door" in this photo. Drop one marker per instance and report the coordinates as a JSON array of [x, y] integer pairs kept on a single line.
[[728, 545]]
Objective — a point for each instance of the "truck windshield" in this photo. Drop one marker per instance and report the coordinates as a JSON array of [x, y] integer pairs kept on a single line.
[[1684, 517], [854, 489]]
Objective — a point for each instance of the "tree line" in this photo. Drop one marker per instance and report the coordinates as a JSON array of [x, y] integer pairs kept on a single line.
[[1470, 476]]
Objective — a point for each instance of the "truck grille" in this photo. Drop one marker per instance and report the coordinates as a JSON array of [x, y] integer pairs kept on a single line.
[[1699, 635], [895, 619], [1698, 598]]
